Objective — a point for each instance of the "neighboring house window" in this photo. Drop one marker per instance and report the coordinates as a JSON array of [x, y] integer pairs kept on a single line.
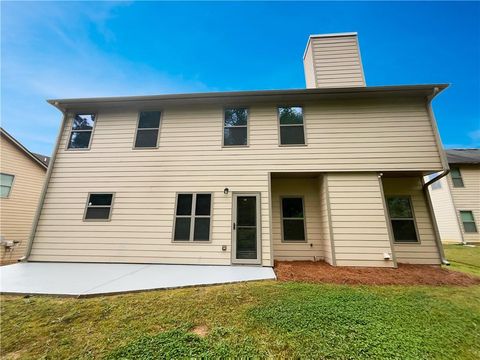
[[402, 219], [456, 177], [81, 134], [192, 217], [293, 219], [147, 129], [437, 184], [468, 221], [235, 127], [99, 206], [6, 182], [291, 125]]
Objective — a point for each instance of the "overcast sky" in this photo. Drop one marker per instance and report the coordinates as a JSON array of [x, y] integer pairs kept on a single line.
[[63, 50]]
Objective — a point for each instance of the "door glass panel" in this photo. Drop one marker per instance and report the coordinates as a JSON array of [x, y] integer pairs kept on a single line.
[[246, 236], [246, 211]]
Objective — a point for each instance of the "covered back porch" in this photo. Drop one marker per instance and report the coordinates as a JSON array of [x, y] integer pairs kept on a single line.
[[352, 219]]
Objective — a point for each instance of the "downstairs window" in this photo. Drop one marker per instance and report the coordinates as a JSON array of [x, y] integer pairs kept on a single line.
[[402, 219], [193, 217]]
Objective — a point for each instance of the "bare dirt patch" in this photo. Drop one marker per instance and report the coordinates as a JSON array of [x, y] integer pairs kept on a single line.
[[200, 330], [321, 272]]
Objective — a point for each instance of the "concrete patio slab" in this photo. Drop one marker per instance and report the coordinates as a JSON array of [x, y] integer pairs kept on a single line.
[[84, 279]]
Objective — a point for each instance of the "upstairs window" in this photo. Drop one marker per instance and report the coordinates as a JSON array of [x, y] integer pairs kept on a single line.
[[235, 127], [402, 219], [147, 129], [192, 217], [81, 133], [291, 125], [468, 221], [293, 219], [99, 207], [6, 182], [456, 177]]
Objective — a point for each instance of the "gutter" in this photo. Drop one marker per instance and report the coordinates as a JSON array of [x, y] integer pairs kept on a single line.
[[445, 172], [45, 186]]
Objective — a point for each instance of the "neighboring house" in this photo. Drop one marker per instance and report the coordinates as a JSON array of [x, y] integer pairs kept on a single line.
[[456, 197], [333, 172], [22, 177]]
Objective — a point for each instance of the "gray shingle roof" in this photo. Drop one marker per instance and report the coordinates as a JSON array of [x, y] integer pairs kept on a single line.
[[463, 156], [42, 158]]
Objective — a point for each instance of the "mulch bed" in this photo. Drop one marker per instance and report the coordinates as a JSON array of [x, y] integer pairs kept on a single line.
[[321, 272]]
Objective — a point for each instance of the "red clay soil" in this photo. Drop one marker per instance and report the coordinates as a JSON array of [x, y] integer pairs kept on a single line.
[[321, 272]]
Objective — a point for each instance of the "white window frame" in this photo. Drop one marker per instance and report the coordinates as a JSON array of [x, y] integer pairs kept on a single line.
[[304, 219], [141, 129], [237, 126], [192, 217], [72, 131], [99, 206], [10, 187]]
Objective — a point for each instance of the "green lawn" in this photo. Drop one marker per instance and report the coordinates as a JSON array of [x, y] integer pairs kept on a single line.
[[463, 258], [251, 320]]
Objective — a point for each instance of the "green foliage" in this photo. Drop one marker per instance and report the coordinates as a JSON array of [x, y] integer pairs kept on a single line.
[[463, 258], [332, 322], [180, 344], [248, 320]]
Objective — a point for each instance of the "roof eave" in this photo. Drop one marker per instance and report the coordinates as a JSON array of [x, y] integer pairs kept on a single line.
[[63, 104]]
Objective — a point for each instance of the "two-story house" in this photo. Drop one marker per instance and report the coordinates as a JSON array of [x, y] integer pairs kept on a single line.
[[456, 197], [332, 172], [22, 174]]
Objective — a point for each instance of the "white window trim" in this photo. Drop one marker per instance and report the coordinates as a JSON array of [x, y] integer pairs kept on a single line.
[[456, 178], [72, 131], [192, 217]]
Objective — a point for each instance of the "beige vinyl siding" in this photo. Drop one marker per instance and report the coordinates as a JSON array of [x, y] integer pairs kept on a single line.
[[359, 225], [325, 220], [313, 248], [468, 197], [18, 209], [335, 61], [445, 213], [367, 135], [426, 251], [308, 67]]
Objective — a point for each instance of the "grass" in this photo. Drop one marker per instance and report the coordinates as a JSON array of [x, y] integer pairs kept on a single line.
[[463, 258], [251, 320]]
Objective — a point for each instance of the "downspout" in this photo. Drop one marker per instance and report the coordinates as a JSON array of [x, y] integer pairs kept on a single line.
[[36, 218], [445, 172]]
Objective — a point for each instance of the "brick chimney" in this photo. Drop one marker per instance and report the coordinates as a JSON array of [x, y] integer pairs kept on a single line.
[[333, 60]]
